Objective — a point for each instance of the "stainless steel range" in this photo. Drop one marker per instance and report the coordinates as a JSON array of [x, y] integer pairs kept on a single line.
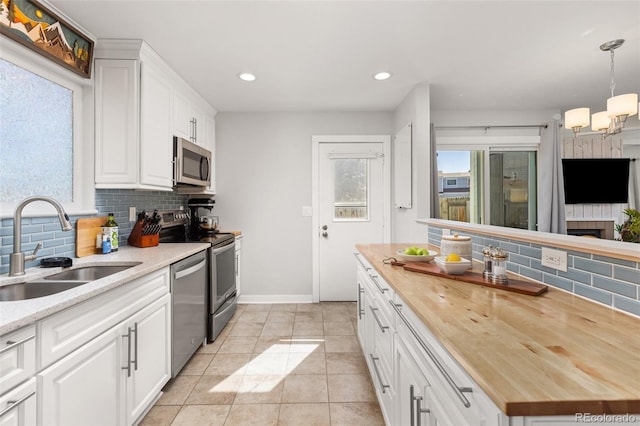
[[221, 289]]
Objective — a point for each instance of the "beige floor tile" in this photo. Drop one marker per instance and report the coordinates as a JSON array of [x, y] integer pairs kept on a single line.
[[350, 388], [160, 415], [253, 316], [268, 364], [307, 363], [272, 344], [258, 307], [308, 307], [307, 344], [308, 328], [304, 414], [211, 348], [202, 415], [338, 316], [346, 363], [277, 329], [238, 345], [308, 316], [341, 344], [253, 414], [215, 390], [288, 307], [177, 390], [228, 365], [305, 388], [338, 328], [196, 365], [260, 390], [246, 329], [281, 316], [356, 413]]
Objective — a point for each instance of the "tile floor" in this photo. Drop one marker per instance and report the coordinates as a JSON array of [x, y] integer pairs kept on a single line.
[[280, 364]]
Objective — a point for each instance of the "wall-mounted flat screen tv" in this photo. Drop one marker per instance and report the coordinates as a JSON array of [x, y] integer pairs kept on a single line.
[[596, 180]]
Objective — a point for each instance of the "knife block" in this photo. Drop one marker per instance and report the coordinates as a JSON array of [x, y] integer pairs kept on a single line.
[[136, 238]]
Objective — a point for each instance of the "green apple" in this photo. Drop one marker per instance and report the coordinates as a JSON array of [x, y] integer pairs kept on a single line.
[[411, 251]]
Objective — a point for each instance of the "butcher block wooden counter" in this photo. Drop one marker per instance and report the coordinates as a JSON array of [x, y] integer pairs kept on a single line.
[[553, 354]]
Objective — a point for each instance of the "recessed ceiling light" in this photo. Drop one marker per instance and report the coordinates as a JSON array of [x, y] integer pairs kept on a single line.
[[382, 76], [246, 76]]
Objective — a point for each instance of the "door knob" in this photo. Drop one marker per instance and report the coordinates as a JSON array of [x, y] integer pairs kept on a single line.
[[324, 227], [325, 234]]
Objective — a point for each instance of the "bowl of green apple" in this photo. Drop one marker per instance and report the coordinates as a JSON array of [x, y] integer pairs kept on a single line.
[[416, 254]]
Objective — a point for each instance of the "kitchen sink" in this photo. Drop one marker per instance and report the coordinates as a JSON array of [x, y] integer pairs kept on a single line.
[[90, 273], [35, 289]]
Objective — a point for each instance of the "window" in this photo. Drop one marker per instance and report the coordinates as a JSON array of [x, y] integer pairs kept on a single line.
[[508, 199], [351, 189], [41, 140]]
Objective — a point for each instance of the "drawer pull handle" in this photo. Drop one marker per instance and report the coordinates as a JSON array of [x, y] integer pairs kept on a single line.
[[360, 310], [11, 344], [358, 255], [128, 367], [375, 281], [375, 368], [459, 390], [382, 327], [13, 404], [420, 410]]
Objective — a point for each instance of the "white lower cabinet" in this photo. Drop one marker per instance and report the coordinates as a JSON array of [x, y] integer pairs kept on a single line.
[[115, 377], [412, 405]]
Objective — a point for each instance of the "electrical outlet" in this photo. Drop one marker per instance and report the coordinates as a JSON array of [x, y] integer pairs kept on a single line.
[[555, 259], [132, 214]]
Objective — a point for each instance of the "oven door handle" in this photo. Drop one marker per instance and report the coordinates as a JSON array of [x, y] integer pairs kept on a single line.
[[181, 274], [222, 249]]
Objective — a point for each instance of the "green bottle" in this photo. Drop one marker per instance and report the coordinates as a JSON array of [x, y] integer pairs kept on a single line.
[[113, 225]]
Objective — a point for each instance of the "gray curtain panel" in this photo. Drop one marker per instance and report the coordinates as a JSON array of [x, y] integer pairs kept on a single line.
[[551, 212]]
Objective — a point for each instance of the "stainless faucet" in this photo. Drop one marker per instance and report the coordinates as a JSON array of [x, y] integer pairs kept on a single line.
[[17, 258]]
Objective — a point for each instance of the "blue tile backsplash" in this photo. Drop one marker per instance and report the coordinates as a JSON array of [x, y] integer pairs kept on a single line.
[[55, 242], [613, 282]]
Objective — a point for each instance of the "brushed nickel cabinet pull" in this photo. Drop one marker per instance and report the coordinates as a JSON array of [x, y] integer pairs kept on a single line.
[[12, 344], [128, 367], [360, 310], [13, 404], [375, 368], [382, 327], [420, 411]]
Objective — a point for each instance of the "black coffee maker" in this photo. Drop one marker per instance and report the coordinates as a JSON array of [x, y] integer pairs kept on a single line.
[[203, 222]]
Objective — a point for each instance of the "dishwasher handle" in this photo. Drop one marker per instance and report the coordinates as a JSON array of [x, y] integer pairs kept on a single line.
[[181, 274]]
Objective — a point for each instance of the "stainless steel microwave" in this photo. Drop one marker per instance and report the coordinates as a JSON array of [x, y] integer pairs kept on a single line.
[[191, 164]]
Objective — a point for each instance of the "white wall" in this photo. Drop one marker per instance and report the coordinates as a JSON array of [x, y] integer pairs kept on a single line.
[[264, 180], [414, 109]]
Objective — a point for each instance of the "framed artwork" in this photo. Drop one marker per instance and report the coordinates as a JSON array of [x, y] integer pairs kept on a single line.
[[30, 23]]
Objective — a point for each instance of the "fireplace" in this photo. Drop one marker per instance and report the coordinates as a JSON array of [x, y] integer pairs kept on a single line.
[[591, 228]]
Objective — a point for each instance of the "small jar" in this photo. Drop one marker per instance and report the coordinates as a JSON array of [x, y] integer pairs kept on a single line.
[[458, 244], [488, 262], [499, 265]]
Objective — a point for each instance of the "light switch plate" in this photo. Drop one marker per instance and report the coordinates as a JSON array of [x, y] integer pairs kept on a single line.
[[132, 214], [555, 259]]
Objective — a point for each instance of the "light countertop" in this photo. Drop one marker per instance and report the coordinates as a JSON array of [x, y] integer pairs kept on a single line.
[[16, 314], [554, 354]]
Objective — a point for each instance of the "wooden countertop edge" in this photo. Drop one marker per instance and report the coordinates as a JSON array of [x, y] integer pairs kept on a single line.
[[512, 408]]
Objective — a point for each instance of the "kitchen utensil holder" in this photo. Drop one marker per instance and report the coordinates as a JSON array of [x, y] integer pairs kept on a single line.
[[137, 239]]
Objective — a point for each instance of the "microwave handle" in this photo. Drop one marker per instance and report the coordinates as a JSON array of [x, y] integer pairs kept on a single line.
[[204, 171], [175, 171]]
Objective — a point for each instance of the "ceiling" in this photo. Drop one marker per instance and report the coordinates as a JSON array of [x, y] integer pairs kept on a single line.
[[321, 55]]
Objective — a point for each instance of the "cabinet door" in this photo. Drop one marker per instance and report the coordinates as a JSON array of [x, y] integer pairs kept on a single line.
[[86, 387], [18, 406], [150, 355], [182, 123], [117, 101], [156, 141], [411, 405], [199, 126]]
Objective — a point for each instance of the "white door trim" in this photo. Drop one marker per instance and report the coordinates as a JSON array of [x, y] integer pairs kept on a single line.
[[316, 140]]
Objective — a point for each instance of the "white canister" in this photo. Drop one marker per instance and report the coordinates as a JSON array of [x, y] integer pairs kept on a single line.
[[459, 244]]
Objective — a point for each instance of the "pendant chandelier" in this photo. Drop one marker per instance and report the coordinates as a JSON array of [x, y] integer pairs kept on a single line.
[[619, 107]]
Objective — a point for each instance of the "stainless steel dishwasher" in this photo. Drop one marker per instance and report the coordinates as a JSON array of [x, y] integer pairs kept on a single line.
[[188, 308]]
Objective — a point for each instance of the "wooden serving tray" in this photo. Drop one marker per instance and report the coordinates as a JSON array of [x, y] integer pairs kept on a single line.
[[517, 286]]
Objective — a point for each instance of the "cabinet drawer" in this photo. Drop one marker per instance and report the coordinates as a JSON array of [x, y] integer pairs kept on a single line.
[[17, 357], [66, 331], [18, 407]]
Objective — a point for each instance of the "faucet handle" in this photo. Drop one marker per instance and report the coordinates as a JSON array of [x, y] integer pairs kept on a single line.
[[32, 256]]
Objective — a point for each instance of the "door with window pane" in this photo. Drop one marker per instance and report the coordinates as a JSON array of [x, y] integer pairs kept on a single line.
[[350, 193]]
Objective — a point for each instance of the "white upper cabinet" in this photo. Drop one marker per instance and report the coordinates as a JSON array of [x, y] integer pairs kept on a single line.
[[140, 104]]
